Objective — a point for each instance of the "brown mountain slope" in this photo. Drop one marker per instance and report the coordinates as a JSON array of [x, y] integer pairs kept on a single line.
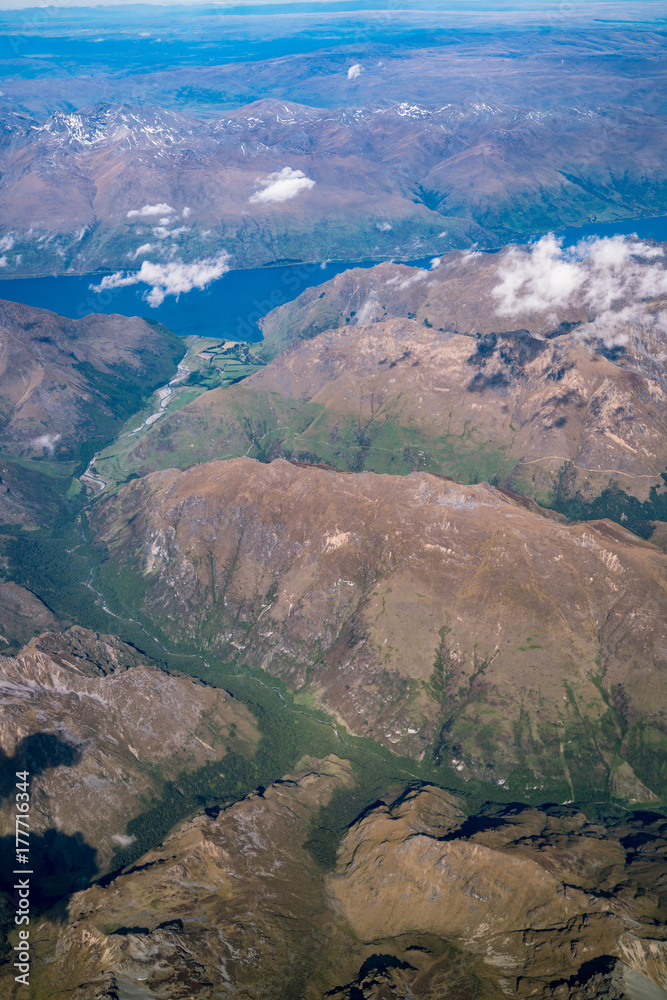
[[65, 384], [423, 903], [102, 730], [396, 368], [539, 895], [22, 616], [229, 905], [422, 612]]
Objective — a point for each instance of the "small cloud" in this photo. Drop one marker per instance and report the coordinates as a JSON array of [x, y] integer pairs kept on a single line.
[[6, 243], [122, 840], [384, 227], [47, 441], [149, 211], [354, 71], [281, 186], [419, 276], [3, 261], [186, 212], [168, 279], [435, 263], [141, 251]]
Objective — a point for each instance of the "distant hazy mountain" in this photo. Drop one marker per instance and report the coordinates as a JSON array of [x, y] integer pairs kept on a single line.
[[111, 187]]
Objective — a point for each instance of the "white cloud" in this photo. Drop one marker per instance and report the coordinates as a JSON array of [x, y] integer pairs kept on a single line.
[[436, 263], [122, 839], [141, 251], [47, 441], [354, 71], [611, 278], [168, 279], [186, 212], [419, 276], [148, 211], [7, 242], [384, 227], [281, 186]]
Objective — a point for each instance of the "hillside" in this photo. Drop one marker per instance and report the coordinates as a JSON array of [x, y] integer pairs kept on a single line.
[[67, 387], [456, 621], [542, 903], [476, 369]]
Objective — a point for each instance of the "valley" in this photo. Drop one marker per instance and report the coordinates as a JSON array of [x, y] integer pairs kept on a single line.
[[333, 501]]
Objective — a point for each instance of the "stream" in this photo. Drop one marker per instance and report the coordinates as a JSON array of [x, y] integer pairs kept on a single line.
[[164, 394]]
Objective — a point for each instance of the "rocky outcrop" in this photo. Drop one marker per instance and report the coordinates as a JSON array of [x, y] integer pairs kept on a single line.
[[101, 731], [547, 899], [424, 902], [230, 905]]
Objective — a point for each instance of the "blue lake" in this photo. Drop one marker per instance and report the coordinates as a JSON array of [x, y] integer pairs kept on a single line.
[[231, 306]]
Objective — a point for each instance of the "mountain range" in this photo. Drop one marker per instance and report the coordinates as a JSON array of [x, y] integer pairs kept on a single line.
[[111, 187], [468, 370], [334, 664]]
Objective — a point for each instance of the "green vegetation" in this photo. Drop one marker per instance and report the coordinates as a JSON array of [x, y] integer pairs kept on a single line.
[[55, 565], [210, 364], [265, 425], [614, 504]]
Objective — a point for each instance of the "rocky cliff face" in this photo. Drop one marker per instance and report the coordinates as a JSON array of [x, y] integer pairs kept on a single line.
[[452, 620], [423, 902], [528, 891], [102, 730]]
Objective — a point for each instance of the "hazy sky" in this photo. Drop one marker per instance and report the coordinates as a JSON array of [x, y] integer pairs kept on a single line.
[[648, 7]]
